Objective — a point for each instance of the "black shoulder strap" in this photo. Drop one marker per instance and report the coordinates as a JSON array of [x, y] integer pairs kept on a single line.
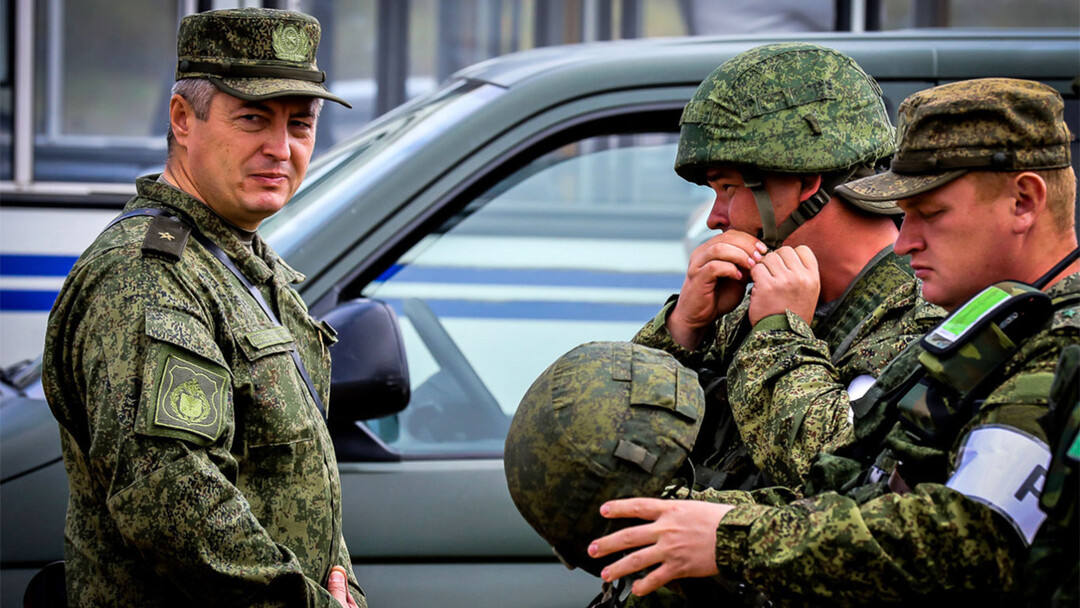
[[222, 257], [144, 212], [1053, 272], [166, 238]]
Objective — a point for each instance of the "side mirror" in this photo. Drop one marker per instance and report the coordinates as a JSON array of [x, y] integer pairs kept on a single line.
[[369, 376]]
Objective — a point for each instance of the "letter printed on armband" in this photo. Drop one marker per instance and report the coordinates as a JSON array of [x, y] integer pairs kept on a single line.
[[1005, 469]]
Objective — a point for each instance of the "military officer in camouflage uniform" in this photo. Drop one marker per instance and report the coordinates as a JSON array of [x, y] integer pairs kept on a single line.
[[773, 131], [200, 467], [951, 502]]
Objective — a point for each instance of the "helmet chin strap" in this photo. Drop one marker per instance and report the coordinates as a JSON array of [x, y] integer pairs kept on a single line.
[[774, 235]]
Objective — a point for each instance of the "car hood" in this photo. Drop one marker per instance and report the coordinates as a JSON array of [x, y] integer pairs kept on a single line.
[[29, 435]]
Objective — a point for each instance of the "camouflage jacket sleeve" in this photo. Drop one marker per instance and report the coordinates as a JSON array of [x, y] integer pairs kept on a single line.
[[789, 393], [173, 499], [656, 335], [830, 549], [714, 346]]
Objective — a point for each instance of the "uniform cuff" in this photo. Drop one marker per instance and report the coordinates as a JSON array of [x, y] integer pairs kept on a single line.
[[655, 334], [788, 321], [731, 539]]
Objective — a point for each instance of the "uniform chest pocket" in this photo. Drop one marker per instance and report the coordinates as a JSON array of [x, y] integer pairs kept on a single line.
[[277, 409]]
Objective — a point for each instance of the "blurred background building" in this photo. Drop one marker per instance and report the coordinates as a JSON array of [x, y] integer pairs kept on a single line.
[[84, 84], [84, 88]]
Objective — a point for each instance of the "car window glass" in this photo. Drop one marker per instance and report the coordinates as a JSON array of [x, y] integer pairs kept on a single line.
[[354, 166], [583, 243]]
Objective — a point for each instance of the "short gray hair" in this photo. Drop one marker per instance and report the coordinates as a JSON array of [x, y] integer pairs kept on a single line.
[[199, 92]]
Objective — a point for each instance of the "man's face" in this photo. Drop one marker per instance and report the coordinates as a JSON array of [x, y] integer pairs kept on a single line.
[[958, 244], [248, 157], [735, 207]]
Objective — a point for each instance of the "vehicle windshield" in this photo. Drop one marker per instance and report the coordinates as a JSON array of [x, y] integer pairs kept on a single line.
[[376, 151]]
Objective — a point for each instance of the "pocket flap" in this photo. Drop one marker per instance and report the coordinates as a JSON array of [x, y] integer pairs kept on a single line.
[[669, 386], [268, 340], [183, 330]]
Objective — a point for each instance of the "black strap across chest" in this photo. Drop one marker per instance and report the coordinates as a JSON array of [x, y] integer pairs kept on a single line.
[[218, 253]]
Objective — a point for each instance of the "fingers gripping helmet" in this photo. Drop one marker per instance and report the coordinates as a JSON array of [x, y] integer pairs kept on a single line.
[[788, 108], [606, 420]]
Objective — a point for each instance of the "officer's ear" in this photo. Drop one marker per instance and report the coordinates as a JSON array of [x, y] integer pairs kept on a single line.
[[181, 114], [808, 186], [1029, 194]]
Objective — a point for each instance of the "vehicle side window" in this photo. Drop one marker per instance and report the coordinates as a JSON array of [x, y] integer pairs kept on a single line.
[[583, 243]]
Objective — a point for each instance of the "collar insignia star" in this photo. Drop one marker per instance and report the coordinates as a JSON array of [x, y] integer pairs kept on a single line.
[[166, 235]]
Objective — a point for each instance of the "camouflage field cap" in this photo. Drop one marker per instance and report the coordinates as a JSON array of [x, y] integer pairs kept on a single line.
[[788, 107], [253, 53], [988, 124], [606, 420]]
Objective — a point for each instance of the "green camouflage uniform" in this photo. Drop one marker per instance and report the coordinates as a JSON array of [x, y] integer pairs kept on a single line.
[[200, 469], [1052, 571], [856, 539], [803, 109], [788, 382], [201, 472], [837, 549]]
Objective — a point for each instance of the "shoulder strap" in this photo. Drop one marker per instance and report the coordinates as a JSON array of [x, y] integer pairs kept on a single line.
[[222, 257], [143, 212], [1069, 258]]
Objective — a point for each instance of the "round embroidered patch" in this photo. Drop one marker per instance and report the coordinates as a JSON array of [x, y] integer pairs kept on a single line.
[[290, 43]]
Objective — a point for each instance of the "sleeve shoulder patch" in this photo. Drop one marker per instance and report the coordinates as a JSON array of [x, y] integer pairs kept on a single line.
[[188, 400], [186, 382]]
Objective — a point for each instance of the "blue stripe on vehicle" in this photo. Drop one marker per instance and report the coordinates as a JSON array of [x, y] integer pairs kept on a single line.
[[543, 310], [390, 272], [15, 300], [20, 265], [532, 276], [25, 300]]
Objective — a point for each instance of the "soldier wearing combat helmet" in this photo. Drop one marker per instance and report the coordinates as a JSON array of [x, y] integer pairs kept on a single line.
[[773, 131], [200, 466], [939, 497]]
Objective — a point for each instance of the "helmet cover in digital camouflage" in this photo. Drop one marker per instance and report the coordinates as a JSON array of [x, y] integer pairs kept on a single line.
[[789, 108], [606, 420], [986, 124], [253, 53]]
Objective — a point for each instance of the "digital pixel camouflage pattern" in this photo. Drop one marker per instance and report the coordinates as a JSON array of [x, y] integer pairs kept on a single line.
[[201, 472], [787, 382], [606, 420], [253, 53], [1052, 571], [877, 547], [989, 124], [790, 107]]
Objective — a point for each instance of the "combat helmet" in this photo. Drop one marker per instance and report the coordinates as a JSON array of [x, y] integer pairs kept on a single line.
[[606, 420], [790, 107]]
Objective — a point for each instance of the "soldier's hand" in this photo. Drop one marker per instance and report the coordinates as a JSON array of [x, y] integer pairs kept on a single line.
[[715, 281], [787, 279], [338, 586], [680, 540]]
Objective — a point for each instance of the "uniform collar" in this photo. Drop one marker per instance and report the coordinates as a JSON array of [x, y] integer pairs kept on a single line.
[[881, 277], [1070, 285], [256, 263]]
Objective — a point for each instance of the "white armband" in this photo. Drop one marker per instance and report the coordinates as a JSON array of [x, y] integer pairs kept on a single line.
[[1004, 468], [857, 388]]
